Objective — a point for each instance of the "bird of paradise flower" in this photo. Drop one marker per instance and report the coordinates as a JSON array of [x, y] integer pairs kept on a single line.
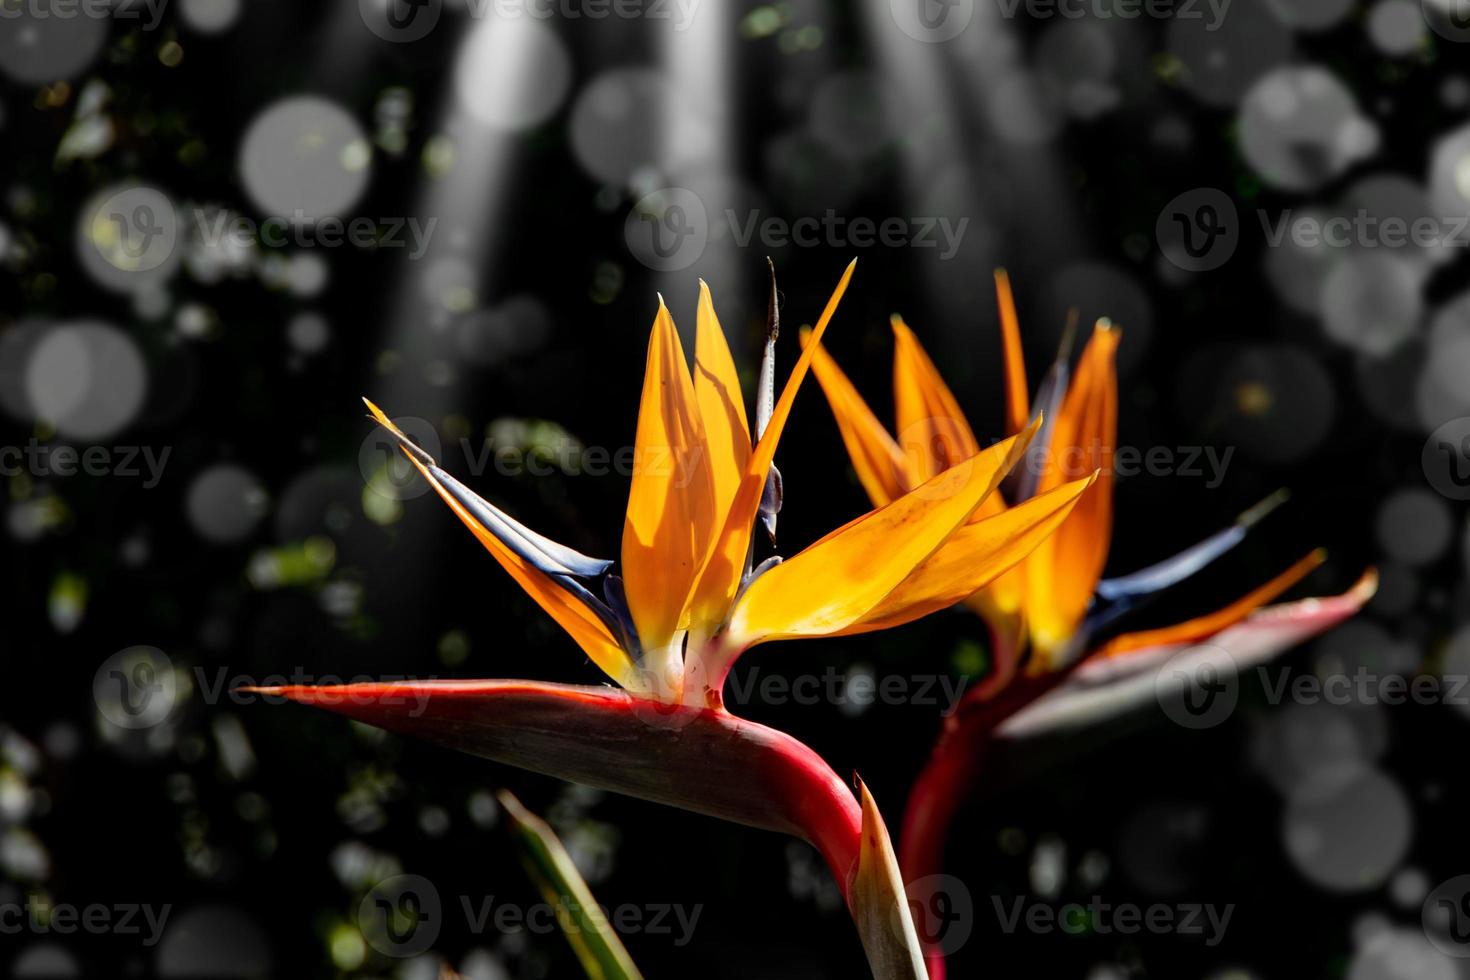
[[691, 599], [1048, 612]]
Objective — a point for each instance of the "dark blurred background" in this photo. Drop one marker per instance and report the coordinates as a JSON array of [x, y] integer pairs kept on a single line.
[[511, 168]]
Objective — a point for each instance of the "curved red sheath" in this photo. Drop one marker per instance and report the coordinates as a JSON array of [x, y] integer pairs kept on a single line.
[[1091, 691], [703, 760]]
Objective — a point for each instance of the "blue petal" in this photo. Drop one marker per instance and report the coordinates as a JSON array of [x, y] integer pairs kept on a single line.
[[543, 553], [1171, 571]]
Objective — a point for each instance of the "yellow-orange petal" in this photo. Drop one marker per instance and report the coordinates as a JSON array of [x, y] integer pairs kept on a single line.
[[724, 565], [842, 577], [881, 466], [721, 408], [1209, 624], [973, 556], [1017, 394], [1062, 574], [932, 430], [670, 505], [584, 626]]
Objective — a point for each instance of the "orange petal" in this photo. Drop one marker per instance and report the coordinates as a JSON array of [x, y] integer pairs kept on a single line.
[[1062, 573], [589, 631], [1212, 623], [881, 466], [721, 406], [841, 578], [670, 506], [974, 556], [1017, 395], [932, 430], [724, 565]]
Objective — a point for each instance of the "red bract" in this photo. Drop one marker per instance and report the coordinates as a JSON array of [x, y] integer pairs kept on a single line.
[[1058, 657], [691, 599]]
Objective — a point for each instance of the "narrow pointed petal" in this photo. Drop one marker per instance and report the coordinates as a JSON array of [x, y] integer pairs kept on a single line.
[[774, 492], [721, 406], [880, 905], [880, 464], [1024, 481], [1064, 571], [974, 556], [932, 431], [772, 497], [570, 608], [583, 921], [1018, 409], [724, 565], [702, 760], [547, 555], [670, 504], [1172, 571], [1104, 688], [1202, 626], [841, 578]]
